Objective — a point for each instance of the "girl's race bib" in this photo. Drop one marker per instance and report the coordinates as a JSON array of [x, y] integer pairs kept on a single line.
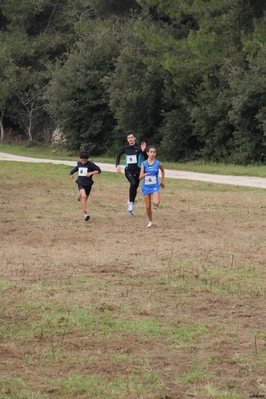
[[150, 179]]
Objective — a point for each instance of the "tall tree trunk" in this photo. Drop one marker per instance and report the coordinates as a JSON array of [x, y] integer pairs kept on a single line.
[[2, 127], [30, 114]]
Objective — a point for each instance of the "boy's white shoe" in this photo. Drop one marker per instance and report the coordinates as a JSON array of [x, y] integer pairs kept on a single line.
[[149, 224], [86, 216]]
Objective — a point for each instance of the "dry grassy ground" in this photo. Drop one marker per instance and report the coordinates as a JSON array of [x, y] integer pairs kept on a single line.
[[110, 309]]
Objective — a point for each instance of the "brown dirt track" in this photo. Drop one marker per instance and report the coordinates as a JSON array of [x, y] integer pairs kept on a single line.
[[197, 280]]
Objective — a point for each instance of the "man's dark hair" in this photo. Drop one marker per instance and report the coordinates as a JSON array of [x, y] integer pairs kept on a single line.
[[84, 154]]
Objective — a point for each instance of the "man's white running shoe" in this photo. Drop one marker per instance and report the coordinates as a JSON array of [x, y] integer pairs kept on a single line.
[[130, 207], [149, 224], [155, 206]]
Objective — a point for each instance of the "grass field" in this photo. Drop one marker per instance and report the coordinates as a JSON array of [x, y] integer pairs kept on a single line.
[[110, 309]]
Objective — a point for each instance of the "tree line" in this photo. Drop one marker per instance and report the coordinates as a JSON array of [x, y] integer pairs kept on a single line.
[[187, 76]]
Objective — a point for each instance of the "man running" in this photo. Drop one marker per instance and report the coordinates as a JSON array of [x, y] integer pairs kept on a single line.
[[134, 154]]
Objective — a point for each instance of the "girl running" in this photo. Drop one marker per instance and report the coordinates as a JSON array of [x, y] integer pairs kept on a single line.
[[151, 187]]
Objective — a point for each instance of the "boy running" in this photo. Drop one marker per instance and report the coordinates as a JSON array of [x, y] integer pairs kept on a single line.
[[86, 169]]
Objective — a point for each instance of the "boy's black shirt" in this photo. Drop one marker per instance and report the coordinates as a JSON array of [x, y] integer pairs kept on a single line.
[[82, 179]]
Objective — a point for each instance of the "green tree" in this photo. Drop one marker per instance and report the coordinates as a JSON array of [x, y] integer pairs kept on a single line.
[[197, 42], [33, 34], [7, 73], [108, 8], [135, 90], [76, 95], [177, 141]]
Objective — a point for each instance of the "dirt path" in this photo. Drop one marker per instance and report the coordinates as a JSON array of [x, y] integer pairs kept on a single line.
[[248, 181]]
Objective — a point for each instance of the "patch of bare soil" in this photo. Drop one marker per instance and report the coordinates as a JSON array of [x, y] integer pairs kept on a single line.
[[175, 311]]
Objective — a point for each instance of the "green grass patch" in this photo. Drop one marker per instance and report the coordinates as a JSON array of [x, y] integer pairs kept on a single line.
[[110, 309]]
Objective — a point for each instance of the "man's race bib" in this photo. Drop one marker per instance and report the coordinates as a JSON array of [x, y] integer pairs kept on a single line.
[[131, 159], [150, 179], [83, 171]]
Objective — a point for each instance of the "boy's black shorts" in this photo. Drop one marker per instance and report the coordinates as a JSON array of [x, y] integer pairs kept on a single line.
[[86, 188]]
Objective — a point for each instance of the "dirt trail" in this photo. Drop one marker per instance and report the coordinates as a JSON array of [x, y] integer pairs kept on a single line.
[[248, 181]]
